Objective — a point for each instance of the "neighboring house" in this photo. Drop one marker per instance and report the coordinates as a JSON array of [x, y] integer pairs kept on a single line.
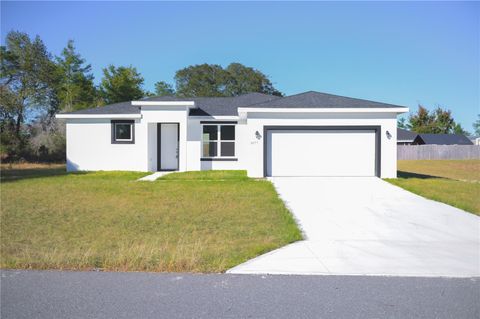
[[405, 137], [475, 140], [307, 134], [442, 139]]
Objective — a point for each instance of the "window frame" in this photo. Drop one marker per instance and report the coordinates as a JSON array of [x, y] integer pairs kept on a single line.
[[219, 141], [132, 132]]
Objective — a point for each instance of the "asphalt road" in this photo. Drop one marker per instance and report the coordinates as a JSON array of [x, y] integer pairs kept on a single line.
[[62, 294]]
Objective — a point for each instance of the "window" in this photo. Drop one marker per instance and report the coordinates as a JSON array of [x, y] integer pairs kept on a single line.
[[218, 141], [123, 132]]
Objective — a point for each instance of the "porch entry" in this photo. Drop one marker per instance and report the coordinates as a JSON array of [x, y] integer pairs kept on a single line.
[[167, 146]]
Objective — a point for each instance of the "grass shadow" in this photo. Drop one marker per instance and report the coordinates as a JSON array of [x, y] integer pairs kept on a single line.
[[14, 174], [402, 174]]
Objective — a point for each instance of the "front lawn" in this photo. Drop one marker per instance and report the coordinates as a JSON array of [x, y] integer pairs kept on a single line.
[[195, 222], [454, 182], [462, 170]]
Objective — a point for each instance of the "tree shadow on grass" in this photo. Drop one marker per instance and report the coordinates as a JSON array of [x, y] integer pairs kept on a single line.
[[12, 175], [402, 174]]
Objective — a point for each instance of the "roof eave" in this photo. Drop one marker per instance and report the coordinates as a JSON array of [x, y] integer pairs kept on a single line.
[[189, 104], [98, 116], [398, 110]]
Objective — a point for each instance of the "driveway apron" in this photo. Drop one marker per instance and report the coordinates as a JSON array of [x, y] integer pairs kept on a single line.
[[366, 226]]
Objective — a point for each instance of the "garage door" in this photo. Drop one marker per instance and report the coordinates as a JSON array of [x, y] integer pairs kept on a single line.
[[321, 153]]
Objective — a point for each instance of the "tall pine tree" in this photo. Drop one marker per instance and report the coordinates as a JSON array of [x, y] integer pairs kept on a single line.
[[120, 84], [76, 90]]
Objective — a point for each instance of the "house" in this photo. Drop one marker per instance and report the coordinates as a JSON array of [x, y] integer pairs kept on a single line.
[[474, 140], [442, 139], [405, 137], [307, 134]]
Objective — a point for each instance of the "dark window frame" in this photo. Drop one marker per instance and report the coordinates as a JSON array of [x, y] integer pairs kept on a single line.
[[219, 141], [132, 125]]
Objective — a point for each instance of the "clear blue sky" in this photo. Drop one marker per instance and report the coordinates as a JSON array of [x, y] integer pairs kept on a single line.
[[403, 53]]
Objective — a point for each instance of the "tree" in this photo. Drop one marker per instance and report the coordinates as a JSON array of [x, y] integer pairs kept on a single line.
[[443, 122], [164, 89], [242, 79], [27, 83], [421, 121], [476, 126], [437, 122], [47, 139], [121, 84], [213, 80], [458, 129], [201, 80], [76, 89], [402, 123]]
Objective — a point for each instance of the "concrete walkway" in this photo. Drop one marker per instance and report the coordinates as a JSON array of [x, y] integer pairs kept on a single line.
[[153, 177], [365, 226]]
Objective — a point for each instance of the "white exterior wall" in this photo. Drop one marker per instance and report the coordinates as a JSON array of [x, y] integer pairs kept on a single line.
[[90, 148], [194, 145], [152, 146], [253, 148]]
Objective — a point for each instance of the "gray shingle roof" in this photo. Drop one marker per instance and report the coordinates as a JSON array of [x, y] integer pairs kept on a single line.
[[230, 105], [312, 99], [405, 135], [443, 139], [205, 105], [219, 105], [117, 108]]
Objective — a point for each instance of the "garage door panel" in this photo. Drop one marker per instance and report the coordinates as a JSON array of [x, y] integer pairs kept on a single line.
[[321, 153]]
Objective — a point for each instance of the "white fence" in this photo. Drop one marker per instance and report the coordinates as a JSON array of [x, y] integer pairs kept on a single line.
[[438, 152]]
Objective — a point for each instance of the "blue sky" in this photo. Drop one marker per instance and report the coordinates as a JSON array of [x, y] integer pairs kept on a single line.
[[402, 53]]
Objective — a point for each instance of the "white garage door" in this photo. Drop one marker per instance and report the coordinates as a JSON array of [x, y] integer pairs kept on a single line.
[[321, 153]]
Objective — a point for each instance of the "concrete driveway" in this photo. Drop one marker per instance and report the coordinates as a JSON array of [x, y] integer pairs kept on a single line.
[[365, 226]]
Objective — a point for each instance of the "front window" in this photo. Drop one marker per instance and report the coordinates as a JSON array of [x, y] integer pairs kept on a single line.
[[218, 141], [122, 131]]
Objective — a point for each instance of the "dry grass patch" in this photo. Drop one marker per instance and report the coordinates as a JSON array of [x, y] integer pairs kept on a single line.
[[108, 220], [462, 170]]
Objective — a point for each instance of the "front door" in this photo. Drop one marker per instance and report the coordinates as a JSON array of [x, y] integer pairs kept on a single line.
[[167, 146]]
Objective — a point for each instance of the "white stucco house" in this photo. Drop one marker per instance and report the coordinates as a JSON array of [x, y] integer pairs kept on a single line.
[[307, 134]]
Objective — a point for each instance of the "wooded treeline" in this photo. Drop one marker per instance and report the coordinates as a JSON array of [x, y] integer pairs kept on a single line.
[[35, 85], [438, 121]]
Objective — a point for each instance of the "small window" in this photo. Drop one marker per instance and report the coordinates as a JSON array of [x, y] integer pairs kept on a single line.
[[123, 132], [218, 141]]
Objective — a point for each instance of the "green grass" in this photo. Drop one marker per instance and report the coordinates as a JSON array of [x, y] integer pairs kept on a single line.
[[462, 170], [207, 175], [12, 172], [192, 222], [455, 183]]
